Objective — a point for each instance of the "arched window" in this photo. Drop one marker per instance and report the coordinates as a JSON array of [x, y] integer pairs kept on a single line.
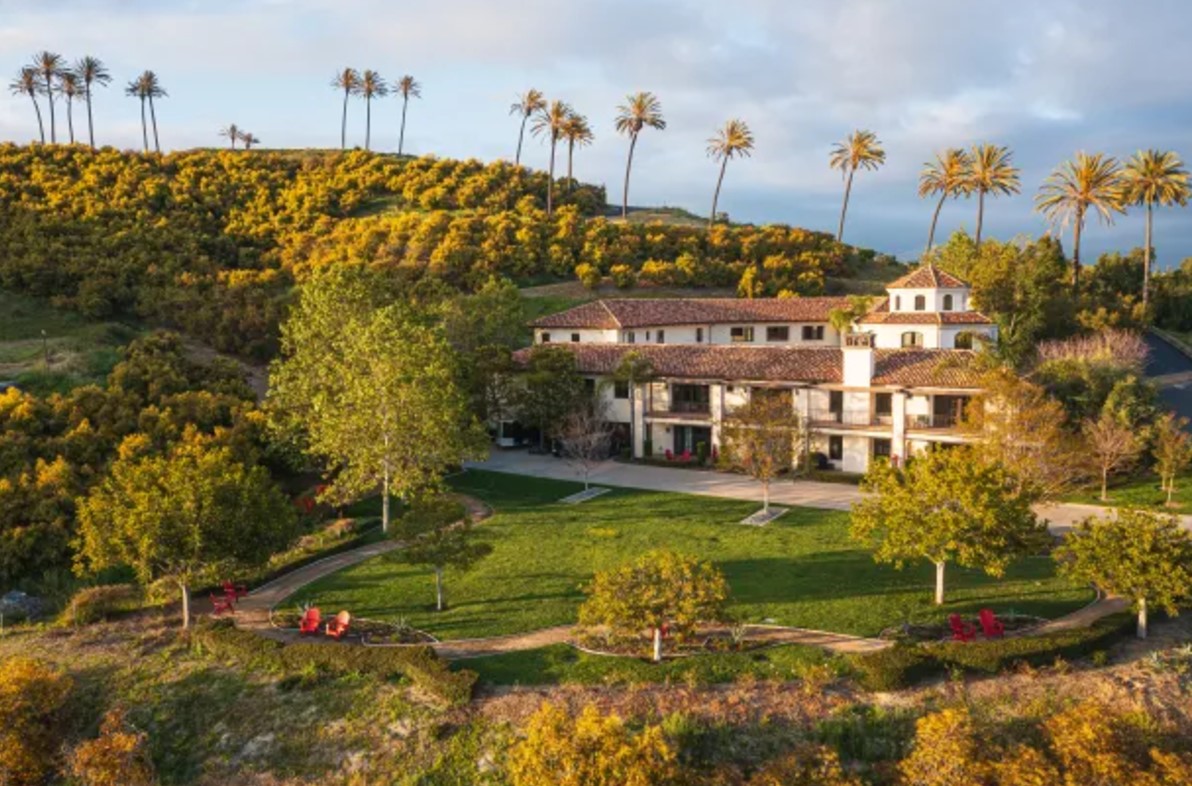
[[964, 340], [947, 302], [912, 338], [920, 303]]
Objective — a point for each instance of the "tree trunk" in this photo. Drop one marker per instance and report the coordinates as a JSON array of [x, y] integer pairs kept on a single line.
[[570, 163], [90, 120], [1104, 484], [766, 495], [980, 217], [343, 124], [628, 167], [1076, 251], [385, 501], [401, 139], [1142, 626], [368, 123], [153, 117], [144, 126], [439, 604], [70, 119], [185, 605], [658, 645], [848, 187], [934, 220], [1146, 260], [716, 193], [520, 136], [550, 183], [41, 128], [50, 101], [939, 583], [633, 422], [1170, 489]]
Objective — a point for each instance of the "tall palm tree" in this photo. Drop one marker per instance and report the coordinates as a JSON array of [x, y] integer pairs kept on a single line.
[[406, 86], [527, 105], [1154, 177], [550, 123], [735, 139], [135, 88], [947, 176], [577, 132], [146, 87], [27, 83], [372, 85], [990, 172], [640, 110], [1087, 181], [859, 150], [249, 139], [70, 87], [348, 81], [49, 65], [232, 132], [91, 71]]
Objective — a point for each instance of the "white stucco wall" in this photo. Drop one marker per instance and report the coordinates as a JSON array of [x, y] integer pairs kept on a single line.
[[564, 335], [904, 299], [889, 336]]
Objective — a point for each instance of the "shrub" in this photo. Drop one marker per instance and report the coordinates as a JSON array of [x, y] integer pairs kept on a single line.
[[623, 276], [118, 757], [588, 275], [892, 668], [33, 698], [701, 452], [98, 603]]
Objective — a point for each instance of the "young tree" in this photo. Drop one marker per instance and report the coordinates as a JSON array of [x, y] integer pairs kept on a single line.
[[550, 390], [1172, 451], [586, 435], [947, 506], [1138, 555], [438, 532], [182, 515], [1114, 446], [661, 588], [760, 437], [633, 369]]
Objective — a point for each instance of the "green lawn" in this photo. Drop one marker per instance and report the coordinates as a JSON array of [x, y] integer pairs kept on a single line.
[[1142, 492], [800, 570]]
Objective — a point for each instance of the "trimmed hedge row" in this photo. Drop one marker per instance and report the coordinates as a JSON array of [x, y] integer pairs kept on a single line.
[[905, 664], [425, 670]]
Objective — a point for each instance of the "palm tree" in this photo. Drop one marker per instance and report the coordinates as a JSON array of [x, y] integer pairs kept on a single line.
[[249, 139], [91, 71], [859, 150], [947, 176], [372, 85], [349, 82], [146, 87], [990, 172], [136, 90], [640, 110], [577, 132], [735, 139], [406, 86], [27, 83], [70, 87], [49, 65], [232, 132], [1087, 181], [1154, 177], [551, 122], [527, 105]]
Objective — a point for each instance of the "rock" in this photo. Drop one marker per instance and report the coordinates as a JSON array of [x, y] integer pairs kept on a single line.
[[17, 605]]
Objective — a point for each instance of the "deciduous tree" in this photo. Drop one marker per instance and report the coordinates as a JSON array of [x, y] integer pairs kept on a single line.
[[1114, 445], [760, 438], [438, 532], [586, 434], [1172, 451], [550, 389]]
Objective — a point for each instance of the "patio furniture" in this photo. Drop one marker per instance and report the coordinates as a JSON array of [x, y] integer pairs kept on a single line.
[[234, 592], [961, 630], [338, 626], [220, 606], [991, 626], [309, 625]]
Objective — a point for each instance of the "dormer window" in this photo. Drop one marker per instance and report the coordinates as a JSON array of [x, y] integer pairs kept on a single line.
[[912, 338], [947, 302], [920, 303]]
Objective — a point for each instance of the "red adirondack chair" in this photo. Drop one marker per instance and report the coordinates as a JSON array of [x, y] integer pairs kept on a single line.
[[220, 606], [234, 592], [961, 630], [309, 626], [338, 626], [991, 626]]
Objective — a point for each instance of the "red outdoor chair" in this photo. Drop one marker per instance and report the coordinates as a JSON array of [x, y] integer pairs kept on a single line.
[[309, 626], [991, 626], [670, 455], [234, 591], [961, 630], [338, 626], [220, 606]]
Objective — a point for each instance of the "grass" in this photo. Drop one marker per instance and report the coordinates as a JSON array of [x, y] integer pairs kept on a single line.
[[1141, 492], [81, 351], [801, 570]]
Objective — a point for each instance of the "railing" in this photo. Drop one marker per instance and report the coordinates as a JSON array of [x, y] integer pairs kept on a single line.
[[696, 407], [847, 417], [934, 421]]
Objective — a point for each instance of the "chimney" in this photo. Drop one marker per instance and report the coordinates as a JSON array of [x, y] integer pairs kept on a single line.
[[858, 360]]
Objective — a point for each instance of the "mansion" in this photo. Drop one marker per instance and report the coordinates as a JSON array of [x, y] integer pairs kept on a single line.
[[896, 383]]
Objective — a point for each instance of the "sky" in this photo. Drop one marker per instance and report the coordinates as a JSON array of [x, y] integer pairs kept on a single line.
[[1046, 78]]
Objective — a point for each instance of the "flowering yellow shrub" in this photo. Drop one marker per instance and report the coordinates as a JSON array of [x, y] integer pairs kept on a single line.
[[33, 698]]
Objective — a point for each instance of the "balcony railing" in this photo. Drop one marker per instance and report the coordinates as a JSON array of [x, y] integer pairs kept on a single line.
[[934, 421], [694, 407], [848, 417]]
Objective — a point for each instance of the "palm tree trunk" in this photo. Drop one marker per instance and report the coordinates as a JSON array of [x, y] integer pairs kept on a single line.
[[343, 124], [1076, 251], [1146, 259], [401, 139], [70, 119], [41, 129], [50, 101], [628, 167], [934, 220], [550, 183], [980, 216], [570, 162], [144, 126], [368, 123], [848, 187], [716, 193], [520, 136], [90, 121], [153, 117]]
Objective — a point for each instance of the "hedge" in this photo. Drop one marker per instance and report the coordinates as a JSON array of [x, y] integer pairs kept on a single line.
[[905, 664], [420, 665]]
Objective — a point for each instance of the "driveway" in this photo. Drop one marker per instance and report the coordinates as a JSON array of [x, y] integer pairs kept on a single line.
[[806, 493], [1172, 370]]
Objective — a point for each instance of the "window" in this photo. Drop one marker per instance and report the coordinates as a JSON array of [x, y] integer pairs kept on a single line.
[[741, 334], [836, 401], [546, 338], [699, 335], [881, 448], [778, 333], [912, 338], [898, 302], [883, 404], [647, 337], [920, 303], [836, 447], [589, 386], [661, 336], [947, 302], [575, 338], [964, 340], [630, 337], [621, 388], [813, 332]]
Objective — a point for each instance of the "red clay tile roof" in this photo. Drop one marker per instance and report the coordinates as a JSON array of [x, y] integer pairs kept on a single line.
[[927, 277], [648, 312], [892, 367], [882, 315]]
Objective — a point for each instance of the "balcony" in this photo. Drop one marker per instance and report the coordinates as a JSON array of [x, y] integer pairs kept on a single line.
[[936, 422], [683, 410], [849, 418]]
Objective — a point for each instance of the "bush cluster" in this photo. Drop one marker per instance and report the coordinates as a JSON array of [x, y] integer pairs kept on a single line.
[[93, 604]]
